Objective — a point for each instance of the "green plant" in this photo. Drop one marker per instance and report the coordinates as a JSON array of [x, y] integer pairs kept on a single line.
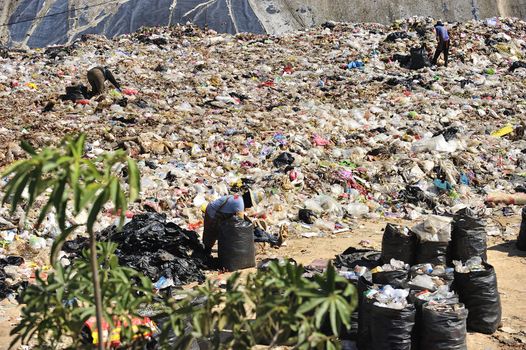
[[277, 306], [56, 307], [74, 182]]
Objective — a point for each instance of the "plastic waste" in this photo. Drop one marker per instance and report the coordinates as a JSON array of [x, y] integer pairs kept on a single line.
[[506, 130]]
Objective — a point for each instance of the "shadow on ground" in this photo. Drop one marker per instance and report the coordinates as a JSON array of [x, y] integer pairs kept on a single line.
[[510, 248]]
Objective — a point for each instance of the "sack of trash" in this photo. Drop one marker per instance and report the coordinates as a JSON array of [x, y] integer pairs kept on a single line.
[[433, 235], [476, 285], [392, 318], [443, 326], [395, 274], [236, 248], [430, 277], [468, 238], [364, 336], [398, 243]]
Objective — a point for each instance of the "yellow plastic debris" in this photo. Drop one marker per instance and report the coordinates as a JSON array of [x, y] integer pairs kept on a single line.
[[508, 129]]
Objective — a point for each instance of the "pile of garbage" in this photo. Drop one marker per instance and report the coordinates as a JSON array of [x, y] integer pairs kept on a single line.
[[163, 251], [325, 120]]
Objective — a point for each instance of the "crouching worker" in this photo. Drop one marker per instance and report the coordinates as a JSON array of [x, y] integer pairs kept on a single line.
[[97, 77], [224, 222]]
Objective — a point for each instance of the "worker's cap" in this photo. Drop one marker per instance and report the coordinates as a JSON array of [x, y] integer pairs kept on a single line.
[[439, 23]]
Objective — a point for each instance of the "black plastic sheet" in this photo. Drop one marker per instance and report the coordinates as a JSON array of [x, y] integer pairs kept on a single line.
[[155, 247], [353, 257], [478, 290], [283, 159], [262, 236], [6, 289], [516, 65]]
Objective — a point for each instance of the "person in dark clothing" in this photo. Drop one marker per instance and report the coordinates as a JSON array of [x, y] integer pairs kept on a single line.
[[443, 43], [97, 76]]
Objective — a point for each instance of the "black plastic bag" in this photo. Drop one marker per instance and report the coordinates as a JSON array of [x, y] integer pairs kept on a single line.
[[76, 92], [396, 279], [441, 330], [521, 239], [516, 65], [419, 303], [419, 58], [396, 245], [364, 335], [478, 290], [307, 216], [236, 244], [434, 253], [392, 37], [263, 236], [353, 257], [468, 238], [283, 159], [392, 329]]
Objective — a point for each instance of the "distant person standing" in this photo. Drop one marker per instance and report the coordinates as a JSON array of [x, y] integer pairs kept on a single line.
[[97, 76], [443, 43]]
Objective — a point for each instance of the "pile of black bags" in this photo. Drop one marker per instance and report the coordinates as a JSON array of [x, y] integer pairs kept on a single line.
[[472, 305]]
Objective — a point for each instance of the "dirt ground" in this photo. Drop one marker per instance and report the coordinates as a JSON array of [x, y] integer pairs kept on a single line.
[[509, 263]]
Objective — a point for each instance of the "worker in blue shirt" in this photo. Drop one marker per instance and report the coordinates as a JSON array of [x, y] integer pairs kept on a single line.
[[443, 43], [224, 208]]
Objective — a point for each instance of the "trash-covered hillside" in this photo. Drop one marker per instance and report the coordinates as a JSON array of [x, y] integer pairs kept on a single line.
[[336, 125], [205, 113]]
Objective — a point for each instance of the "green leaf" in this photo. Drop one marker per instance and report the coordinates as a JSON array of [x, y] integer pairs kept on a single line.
[[321, 312], [310, 305], [20, 186], [27, 147], [95, 209], [334, 321], [134, 180]]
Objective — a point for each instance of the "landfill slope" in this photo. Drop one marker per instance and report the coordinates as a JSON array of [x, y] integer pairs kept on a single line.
[[324, 119], [39, 23]]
